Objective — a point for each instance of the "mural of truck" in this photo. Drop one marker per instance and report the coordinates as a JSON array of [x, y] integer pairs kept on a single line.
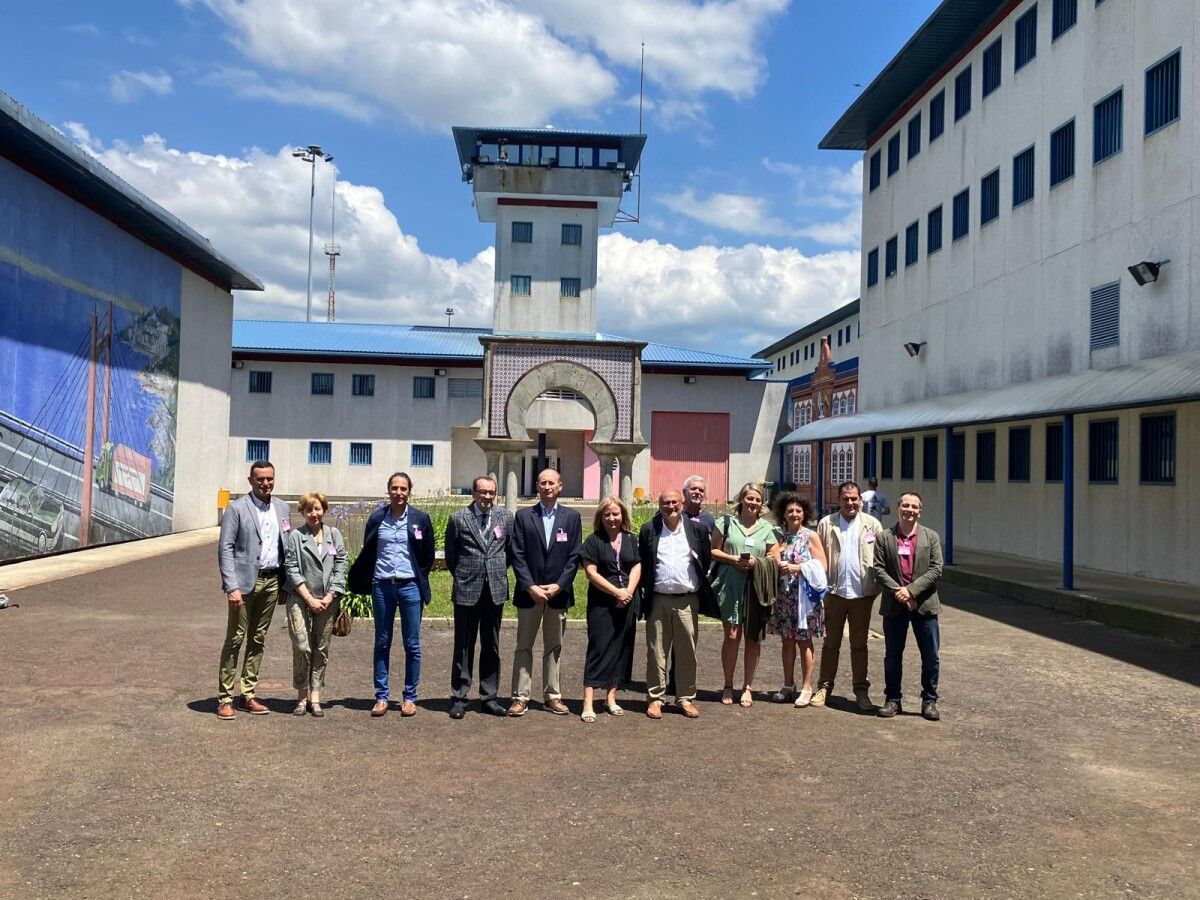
[[29, 517], [124, 473]]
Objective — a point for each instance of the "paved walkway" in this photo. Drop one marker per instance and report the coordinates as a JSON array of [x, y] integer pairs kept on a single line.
[[1065, 765]]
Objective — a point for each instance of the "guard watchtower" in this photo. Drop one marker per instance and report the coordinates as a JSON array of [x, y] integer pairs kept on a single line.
[[549, 192]]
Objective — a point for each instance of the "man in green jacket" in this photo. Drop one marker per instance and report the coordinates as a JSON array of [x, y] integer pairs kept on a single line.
[[908, 564]]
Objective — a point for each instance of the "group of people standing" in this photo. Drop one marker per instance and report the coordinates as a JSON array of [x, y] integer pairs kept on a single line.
[[788, 579]]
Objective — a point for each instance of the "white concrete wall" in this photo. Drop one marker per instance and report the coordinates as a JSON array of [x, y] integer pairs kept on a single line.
[[1127, 527], [201, 436], [788, 367], [1010, 302]]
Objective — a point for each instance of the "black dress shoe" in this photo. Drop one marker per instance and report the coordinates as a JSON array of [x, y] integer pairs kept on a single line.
[[929, 710], [458, 710], [889, 709], [494, 707]]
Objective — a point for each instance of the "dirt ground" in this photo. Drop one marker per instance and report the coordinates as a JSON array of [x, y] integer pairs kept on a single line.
[[1066, 764]]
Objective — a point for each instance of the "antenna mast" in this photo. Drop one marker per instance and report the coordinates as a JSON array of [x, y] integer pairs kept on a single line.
[[333, 250]]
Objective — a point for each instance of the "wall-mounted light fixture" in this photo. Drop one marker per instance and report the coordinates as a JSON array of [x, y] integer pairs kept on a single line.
[[239, 364], [1146, 271], [439, 371], [689, 379], [913, 348]]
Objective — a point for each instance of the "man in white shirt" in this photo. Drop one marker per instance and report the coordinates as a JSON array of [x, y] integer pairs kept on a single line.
[[848, 536], [675, 556], [875, 502]]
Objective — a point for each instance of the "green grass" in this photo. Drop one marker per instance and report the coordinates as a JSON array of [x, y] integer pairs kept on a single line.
[[440, 606]]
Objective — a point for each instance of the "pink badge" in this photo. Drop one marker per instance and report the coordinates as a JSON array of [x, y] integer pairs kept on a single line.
[[869, 537], [285, 525], [330, 549], [561, 537], [498, 531]]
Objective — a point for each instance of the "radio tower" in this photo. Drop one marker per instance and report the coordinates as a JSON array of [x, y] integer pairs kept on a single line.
[[333, 250]]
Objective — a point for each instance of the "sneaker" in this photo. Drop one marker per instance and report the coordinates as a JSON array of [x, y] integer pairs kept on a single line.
[[889, 709], [784, 694], [863, 699], [818, 699], [929, 710]]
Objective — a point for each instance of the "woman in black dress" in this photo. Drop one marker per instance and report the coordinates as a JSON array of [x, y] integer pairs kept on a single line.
[[613, 569]]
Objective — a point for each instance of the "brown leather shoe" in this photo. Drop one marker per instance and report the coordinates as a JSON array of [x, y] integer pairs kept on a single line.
[[654, 710], [380, 708], [517, 709], [556, 706], [253, 707], [225, 711], [689, 709], [408, 708]]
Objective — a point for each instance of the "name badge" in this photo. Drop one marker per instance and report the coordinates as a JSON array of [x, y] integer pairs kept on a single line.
[[498, 531], [285, 525], [330, 549], [694, 554], [560, 537], [418, 534], [904, 550], [749, 543], [869, 537]]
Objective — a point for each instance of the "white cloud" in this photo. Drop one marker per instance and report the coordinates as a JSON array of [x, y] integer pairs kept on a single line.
[[740, 213], [88, 28], [251, 85], [430, 61], [255, 208], [126, 86], [827, 187]]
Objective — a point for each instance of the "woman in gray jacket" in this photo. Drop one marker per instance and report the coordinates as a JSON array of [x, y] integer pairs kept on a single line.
[[315, 578]]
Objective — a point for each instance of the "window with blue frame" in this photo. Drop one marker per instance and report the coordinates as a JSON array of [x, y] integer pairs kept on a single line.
[[893, 148], [256, 450], [885, 459], [914, 135], [958, 456], [937, 115], [572, 235], [991, 66], [522, 232], [962, 93], [260, 382], [320, 453], [1162, 93], [569, 287], [911, 237], [1026, 39], [989, 197], [1023, 177], [908, 458], [322, 384], [1064, 14], [1062, 154], [873, 268], [933, 231], [874, 169], [1157, 463], [889, 257], [362, 385], [1103, 451], [360, 454], [961, 224], [422, 456], [1107, 119], [424, 387], [521, 285]]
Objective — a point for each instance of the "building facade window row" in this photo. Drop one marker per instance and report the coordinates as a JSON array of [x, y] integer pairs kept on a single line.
[[571, 233], [322, 384], [358, 453]]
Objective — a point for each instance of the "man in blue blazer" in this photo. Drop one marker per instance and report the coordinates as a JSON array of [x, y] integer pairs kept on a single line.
[[393, 567], [546, 541]]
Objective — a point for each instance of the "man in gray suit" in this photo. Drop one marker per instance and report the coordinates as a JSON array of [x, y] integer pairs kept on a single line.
[[250, 554], [477, 555]]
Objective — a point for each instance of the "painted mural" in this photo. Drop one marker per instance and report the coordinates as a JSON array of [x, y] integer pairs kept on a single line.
[[89, 356]]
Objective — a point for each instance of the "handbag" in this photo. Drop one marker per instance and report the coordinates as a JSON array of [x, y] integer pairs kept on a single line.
[[343, 623]]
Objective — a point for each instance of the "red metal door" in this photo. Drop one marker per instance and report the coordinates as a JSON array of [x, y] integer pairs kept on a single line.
[[688, 443]]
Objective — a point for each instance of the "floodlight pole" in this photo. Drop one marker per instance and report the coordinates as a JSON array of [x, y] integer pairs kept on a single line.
[[310, 155]]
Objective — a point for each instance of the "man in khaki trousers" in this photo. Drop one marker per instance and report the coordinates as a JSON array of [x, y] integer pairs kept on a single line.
[[848, 537]]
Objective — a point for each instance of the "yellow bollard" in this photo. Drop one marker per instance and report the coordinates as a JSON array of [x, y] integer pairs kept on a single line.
[[222, 503]]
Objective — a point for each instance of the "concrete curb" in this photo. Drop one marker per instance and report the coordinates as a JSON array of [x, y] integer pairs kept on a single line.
[[1176, 627]]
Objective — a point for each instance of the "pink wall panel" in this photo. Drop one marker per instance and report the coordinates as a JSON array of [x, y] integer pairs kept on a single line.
[[688, 443]]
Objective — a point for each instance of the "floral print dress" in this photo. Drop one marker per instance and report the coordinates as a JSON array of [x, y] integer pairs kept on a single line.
[[787, 599]]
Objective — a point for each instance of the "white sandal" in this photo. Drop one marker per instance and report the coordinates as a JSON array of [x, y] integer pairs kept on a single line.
[[804, 699]]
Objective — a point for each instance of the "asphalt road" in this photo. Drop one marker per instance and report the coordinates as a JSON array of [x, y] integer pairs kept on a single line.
[[1066, 764]]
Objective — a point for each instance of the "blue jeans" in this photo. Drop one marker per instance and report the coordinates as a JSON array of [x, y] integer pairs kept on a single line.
[[929, 639], [386, 598]]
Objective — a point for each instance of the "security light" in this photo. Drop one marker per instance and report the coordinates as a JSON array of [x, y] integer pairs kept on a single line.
[[689, 379], [913, 348], [1145, 271]]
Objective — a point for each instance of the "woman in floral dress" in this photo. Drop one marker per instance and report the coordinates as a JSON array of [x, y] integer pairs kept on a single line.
[[796, 546]]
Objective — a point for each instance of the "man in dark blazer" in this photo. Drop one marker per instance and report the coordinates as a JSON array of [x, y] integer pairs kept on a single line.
[[477, 556], [250, 555], [546, 541], [398, 581], [676, 554], [908, 564]]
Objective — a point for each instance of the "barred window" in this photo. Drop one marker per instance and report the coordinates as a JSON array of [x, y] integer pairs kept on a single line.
[[1054, 451], [522, 232], [362, 385], [991, 67], [521, 285], [914, 135], [962, 93], [937, 115], [572, 234], [360, 454], [257, 449], [1062, 154], [466, 388], [260, 382], [322, 384], [1157, 464], [422, 455], [1107, 121], [929, 457], [1023, 177], [1103, 451], [933, 231], [1162, 93], [1026, 39], [1018, 453], [320, 453]]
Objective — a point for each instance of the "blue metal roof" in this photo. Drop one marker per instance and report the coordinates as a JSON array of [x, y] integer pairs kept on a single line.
[[948, 31], [33, 145], [467, 138], [435, 342]]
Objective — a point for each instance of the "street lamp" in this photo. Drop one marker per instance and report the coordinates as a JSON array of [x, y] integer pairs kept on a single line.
[[310, 155], [449, 313]]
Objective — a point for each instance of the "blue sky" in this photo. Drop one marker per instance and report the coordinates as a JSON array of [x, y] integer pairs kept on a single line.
[[747, 232]]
